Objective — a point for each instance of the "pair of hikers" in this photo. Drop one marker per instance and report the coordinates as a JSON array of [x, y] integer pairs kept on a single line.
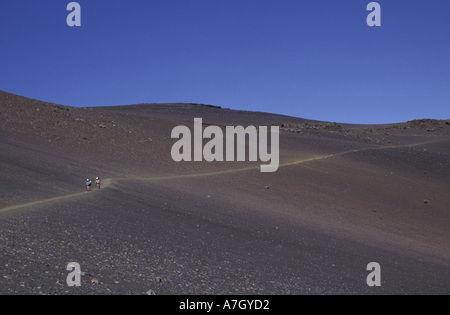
[[89, 183]]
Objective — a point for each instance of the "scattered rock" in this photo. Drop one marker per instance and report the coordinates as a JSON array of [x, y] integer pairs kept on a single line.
[[151, 292]]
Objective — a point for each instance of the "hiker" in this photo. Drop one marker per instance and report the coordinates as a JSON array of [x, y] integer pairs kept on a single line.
[[97, 181], [88, 184]]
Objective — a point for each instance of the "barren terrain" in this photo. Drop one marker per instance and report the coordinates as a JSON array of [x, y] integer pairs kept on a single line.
[[344, 196]]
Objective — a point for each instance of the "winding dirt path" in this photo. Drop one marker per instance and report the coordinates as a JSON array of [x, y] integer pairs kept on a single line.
[[110, 181]]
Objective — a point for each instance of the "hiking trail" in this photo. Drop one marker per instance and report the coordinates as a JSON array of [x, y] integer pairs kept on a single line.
[[108, 182]]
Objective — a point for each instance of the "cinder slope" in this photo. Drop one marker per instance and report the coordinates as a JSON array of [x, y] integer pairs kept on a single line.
[[344, 196]]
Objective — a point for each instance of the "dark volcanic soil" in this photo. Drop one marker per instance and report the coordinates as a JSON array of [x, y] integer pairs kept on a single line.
[[344, 196]]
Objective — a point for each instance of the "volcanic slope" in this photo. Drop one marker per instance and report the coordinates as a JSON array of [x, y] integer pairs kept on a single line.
[[344, 196]]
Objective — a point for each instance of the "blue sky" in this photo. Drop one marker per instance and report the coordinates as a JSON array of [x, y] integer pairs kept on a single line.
[[315, 59]]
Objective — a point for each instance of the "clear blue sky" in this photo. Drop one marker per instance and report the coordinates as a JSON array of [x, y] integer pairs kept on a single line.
[[314, 59]]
